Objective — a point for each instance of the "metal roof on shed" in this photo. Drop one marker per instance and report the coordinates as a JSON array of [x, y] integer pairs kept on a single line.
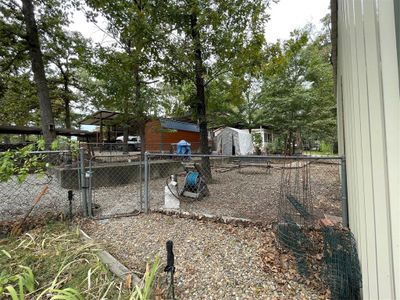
[[179, 125]]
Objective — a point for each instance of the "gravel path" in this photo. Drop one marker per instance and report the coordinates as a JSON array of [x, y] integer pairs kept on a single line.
[[213, 261]]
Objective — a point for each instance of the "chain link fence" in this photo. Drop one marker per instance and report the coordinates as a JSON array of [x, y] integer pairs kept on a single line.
[[247, 187], [114, 185], [51, 173], [259, 188]]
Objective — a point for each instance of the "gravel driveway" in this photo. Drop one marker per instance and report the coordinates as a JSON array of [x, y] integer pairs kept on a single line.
[[213, 261]]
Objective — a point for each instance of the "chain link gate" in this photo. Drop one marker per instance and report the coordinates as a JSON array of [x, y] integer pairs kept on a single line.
[[112, 185]]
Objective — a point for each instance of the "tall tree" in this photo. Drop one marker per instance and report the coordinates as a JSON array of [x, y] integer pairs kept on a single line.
[[32, 38], [134, 26], [297, 96], [25, 31], [66, 56], [210, 38]]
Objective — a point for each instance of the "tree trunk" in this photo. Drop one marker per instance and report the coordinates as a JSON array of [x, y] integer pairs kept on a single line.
[[200, 93], [289, 143], [126, 137], [141, 110], [32, 37], [67, 107]]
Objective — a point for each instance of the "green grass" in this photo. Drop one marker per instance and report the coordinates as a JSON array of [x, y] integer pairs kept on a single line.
[[52, 262], [319, 153]]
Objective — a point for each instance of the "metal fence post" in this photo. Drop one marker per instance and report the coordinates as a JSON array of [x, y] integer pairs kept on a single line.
[[70, 198], [83, 184], [146, 183], [140, 183], [343, 177], [88, 177]]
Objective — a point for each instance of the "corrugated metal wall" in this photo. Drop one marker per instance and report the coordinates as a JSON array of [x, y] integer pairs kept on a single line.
[[369, 109]]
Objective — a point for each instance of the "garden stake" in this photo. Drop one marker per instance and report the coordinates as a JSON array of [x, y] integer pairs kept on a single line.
[[170, 269], [70, 197], [18, 228]]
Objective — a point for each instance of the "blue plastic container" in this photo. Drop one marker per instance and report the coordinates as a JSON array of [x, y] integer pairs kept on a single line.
[[183, 148]]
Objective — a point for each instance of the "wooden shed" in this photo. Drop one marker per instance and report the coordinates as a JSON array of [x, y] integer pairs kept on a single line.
[[163, 135]]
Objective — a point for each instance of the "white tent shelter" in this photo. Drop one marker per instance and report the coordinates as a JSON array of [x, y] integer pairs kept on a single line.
[[232, 141]]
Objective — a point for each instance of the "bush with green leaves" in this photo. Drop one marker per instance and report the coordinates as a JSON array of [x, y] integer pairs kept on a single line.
[[276, 147], [22, 162], [257, 141]]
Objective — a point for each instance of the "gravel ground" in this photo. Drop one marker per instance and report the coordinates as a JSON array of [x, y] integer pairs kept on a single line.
[[17, 198], [213, 261], [117, 199], [254, 194]]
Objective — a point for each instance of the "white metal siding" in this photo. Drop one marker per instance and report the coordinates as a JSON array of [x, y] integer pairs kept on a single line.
[[369, 112]]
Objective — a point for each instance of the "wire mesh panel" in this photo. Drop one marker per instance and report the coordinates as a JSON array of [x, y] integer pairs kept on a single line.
[[341, 265], [248, 187], [39, 184], [115, 185]]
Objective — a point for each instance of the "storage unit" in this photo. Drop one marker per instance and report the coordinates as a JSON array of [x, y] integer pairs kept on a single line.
[[163, 135], [233, 141]]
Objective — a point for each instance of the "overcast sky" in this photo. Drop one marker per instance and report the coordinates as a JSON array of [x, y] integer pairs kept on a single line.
[[286, 16]]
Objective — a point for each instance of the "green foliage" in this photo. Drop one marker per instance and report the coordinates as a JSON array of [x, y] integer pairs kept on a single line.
[[63, 143], [257, 139], [205, 39], [23, 282], [63, 51], [326, 148], [61, 267], [186, 47], [297, 97], [19, 100], [124, 75], [146, 292], [277, 146], [21, 163]]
